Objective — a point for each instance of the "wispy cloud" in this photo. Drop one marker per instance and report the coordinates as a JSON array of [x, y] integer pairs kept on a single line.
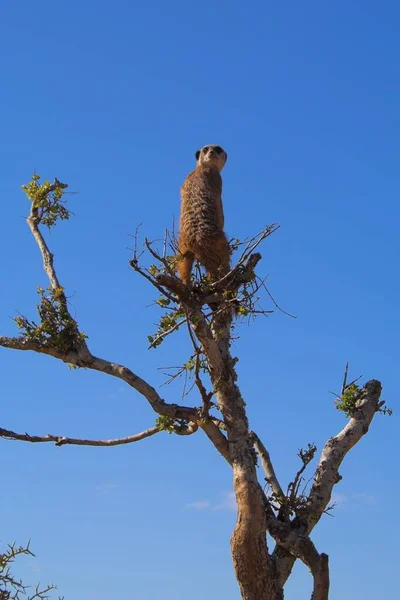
[[365, 498], [338, 499], [105, 487], [228, 502], [35, 566], [120, 390], [353, 499]]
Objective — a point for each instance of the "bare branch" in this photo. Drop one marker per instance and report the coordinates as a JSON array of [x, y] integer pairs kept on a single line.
[[61, 440], [266, 462], [48, 264]]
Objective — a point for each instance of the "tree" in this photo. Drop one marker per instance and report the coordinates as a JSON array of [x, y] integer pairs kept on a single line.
[[209, 311]]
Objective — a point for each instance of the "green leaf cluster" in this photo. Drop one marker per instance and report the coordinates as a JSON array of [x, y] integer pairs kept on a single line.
[[347, 403], [165, 424], [56, 329], [47, 199]]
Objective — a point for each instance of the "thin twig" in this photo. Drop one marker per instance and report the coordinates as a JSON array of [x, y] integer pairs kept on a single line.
[[344, 384], [263, 284]]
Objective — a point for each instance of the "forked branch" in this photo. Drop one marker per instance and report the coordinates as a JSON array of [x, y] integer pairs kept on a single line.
[[336, 448], [327, 475]]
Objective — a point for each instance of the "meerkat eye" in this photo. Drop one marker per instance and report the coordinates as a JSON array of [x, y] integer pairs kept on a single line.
[[218, 149], [205, 149]]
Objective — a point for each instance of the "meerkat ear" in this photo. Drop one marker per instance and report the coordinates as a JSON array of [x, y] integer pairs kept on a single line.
[[197, 154], [226, 157]]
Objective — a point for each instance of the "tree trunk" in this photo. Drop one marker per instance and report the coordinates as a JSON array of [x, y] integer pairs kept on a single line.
[[254, 568]]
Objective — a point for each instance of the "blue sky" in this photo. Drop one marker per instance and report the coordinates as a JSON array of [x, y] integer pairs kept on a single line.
[[115, 98]]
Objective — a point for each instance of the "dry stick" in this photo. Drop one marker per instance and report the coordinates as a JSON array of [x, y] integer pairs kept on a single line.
[[344, 384], [61, 440], [165, 244]]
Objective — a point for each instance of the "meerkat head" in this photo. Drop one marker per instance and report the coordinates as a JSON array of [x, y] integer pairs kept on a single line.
[[211, 156]]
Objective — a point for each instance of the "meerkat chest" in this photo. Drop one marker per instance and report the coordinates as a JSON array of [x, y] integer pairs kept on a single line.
[[202, 189], [201, 193]]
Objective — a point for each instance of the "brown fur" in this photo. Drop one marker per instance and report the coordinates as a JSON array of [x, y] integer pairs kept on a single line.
[[202, 219]]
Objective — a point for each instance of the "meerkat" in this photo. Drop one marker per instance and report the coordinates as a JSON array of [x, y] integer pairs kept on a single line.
[[201, 234]]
